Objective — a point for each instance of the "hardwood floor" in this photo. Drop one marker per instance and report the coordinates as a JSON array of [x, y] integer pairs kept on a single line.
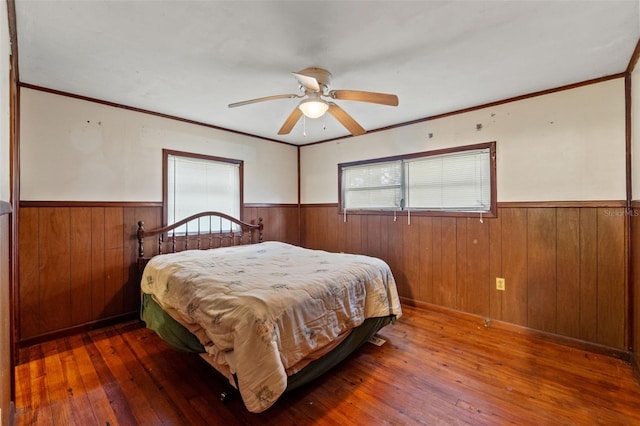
[[433, 369]]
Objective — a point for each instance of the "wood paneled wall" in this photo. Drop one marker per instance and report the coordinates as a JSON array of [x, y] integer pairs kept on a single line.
[[78, 263], [6, 361], [565, 267], [635, 284], [281, 222]]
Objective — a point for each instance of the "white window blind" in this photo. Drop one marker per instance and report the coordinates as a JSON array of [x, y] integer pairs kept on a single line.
[[453, 181], [373, 186], [450, 182], [195, 185]]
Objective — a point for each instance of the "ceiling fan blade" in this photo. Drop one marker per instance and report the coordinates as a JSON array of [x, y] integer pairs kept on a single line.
[[291, 121], [266, 98], [346, 120], [307, 81], [360, 96]]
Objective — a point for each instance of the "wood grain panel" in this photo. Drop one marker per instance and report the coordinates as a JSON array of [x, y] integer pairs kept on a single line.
[[436, 263], [635, 284], [478, 268], [353, 243], [114, 258], [449, 262], [275, 220], [80, 265], [411, 258], [310, 237], [568, 272], [55, 269], [114, 282], [97, 263], [375, 236], [328, 232], [333, 231], [323, 224], [337, 220], [588, 274], [611, 277], [495, 266], [304, 236], [7, 354], [280, 221], [514, 265], [463, 280], [131, 290], [425, 259], [541, 269], [29, 300], [289, 225], [395, 254]]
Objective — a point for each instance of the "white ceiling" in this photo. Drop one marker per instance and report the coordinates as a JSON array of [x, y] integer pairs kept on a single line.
[[191, 59]]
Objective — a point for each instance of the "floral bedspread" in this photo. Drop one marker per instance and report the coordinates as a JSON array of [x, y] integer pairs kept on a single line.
[[260, 309]]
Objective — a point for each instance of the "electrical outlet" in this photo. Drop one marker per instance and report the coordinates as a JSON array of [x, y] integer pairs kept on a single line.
[[500, 284]]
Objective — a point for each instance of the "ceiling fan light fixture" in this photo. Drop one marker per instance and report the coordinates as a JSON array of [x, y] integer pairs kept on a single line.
[[314, 84], [313, 108]]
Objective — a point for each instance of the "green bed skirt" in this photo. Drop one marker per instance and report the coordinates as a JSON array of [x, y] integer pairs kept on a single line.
[[170, 330], [179, 338]]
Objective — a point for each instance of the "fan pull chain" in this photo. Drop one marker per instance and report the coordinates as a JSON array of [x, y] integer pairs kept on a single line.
[[304, 126]]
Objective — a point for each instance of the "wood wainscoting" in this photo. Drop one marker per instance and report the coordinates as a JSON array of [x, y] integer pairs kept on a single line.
[[565, 265], [78, 261], [281, 221], [635, 285]]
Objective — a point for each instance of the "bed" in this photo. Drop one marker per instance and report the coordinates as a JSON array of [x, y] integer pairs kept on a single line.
[[267, 315]]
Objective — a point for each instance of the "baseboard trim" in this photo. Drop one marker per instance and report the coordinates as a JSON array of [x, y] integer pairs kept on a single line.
[[81, 328], [543, 335]]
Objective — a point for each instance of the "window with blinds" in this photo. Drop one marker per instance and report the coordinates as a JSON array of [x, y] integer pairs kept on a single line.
[[197, 183], [460, 180], [373, 186]]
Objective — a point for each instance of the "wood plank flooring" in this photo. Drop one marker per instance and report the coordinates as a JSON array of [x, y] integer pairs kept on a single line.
[[433, 369]]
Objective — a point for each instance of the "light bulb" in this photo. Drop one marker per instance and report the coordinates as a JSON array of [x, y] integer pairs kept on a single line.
[[313, 107]]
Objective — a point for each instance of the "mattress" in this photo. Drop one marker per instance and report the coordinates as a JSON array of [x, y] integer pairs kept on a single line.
[[260, 311]]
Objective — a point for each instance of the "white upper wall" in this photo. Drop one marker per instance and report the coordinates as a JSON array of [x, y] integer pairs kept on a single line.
[[5, 52], [635, 133], [75, 150], [564, 146], [5, 225]]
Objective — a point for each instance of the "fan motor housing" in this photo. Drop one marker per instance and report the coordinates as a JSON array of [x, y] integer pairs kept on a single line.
[[321, 75]]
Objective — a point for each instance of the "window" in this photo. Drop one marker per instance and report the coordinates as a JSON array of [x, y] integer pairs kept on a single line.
[[373, 186], [457, 181], [195, 183]]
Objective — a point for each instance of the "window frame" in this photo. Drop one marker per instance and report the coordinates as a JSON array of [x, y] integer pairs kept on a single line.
[[165, 187], [492, 212]]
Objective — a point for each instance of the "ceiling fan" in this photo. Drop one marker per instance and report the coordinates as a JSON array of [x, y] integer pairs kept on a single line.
[[314, 85]]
